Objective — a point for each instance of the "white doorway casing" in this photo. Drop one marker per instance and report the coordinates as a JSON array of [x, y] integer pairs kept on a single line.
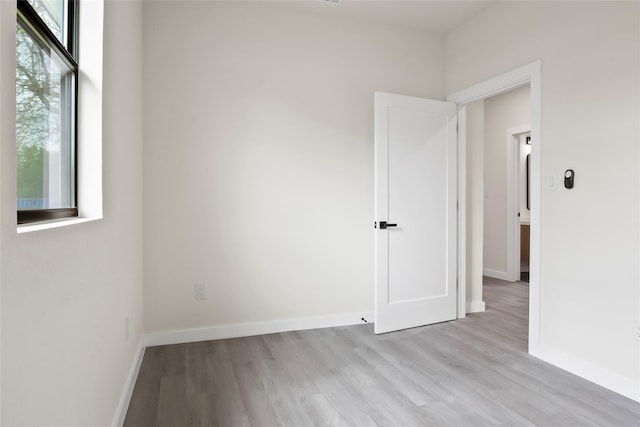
[[528, 74]]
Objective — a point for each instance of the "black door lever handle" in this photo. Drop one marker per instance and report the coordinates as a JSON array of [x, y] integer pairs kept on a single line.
[[384, 225]]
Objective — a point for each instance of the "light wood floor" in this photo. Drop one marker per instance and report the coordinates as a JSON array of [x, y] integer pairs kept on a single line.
[[470, 372]]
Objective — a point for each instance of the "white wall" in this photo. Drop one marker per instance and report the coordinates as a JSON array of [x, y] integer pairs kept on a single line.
[[501, 112], [66, 291], [475, 205], [258, 170], [589, 241]]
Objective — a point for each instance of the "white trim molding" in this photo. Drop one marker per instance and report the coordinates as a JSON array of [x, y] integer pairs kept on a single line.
[[496, 274], [588, 371], [462, 212], [476, 307], [127, 392], [495, 86], [179, 336]]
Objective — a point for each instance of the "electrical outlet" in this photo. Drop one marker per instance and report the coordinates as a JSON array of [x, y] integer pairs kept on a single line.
[[126, 328], [201, 292]]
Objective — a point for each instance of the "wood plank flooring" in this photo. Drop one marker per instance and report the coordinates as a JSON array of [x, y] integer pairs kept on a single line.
[[471, 372]]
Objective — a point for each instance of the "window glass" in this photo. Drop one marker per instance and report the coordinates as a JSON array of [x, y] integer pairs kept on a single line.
[[52, 13], [44, 126]]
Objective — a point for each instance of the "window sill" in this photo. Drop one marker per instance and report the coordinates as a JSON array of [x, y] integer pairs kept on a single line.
[[46, 225]]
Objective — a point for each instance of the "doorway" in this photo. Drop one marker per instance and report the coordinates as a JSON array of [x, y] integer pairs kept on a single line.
[[501, 180], [498, 214], [528, 74], [522, 169], [518, 183]]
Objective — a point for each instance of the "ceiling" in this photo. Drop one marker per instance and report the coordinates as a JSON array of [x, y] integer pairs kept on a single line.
[[427, 15]]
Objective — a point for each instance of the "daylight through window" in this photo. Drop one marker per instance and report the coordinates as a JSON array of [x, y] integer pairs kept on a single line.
[[46, 98]]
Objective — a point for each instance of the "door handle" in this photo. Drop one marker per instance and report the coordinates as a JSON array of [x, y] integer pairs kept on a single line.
[[385, 224]]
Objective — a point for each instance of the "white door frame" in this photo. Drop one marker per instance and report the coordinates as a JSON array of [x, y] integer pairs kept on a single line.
[[513, 200], [528, 74]]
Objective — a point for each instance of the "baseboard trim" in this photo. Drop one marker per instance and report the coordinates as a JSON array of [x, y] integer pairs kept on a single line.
[[475, 307], [127, 392], [595, 374], [502, 275], [180, 336]]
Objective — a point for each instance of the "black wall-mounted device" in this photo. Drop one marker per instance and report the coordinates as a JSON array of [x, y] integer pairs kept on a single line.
[[568, 178]]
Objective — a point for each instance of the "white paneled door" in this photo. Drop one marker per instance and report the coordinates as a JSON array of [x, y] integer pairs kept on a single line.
[[415, 212]]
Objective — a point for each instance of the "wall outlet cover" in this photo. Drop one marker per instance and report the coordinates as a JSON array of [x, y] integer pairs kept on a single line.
[[201, 292]]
